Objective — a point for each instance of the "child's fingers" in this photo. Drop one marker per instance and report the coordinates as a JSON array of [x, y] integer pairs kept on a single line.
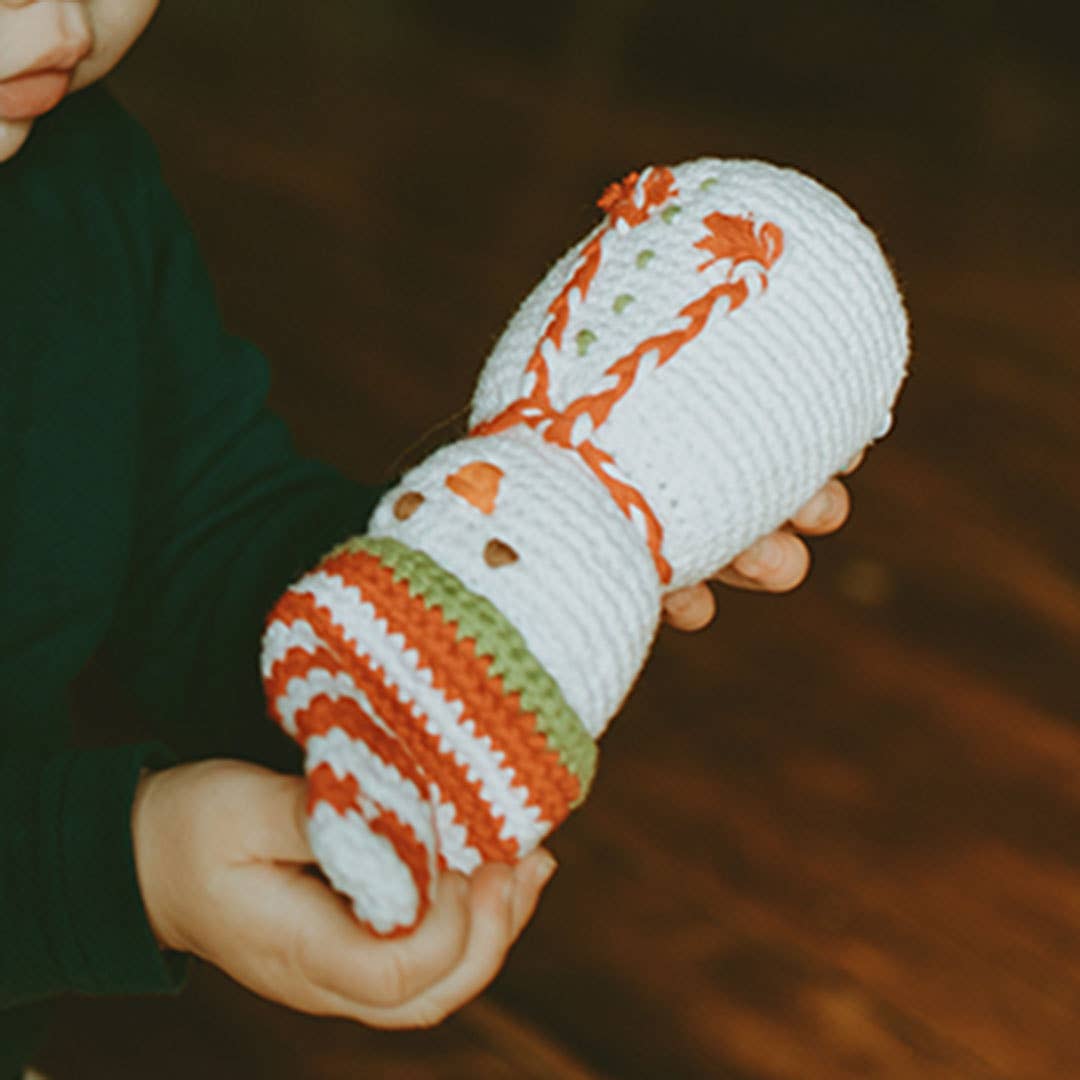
[[351, 972], [503, 899], [531, 876], [825, 512], [854, 463], [691, 608], [775, 563], [274, 818]]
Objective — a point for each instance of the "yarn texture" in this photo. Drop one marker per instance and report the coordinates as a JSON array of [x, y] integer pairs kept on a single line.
[[676, 386]]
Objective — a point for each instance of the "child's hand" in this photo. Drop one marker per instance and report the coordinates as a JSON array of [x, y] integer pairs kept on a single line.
[[776, 563], [222, 852]]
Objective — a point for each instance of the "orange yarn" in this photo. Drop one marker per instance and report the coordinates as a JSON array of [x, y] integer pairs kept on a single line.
[[325, 786], [477, 483], [618, 200], [325, 713]]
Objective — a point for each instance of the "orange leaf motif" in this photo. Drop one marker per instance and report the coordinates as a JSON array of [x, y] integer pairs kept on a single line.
[[736, 238]]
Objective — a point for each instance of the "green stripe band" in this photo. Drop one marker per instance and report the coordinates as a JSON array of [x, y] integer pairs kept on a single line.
[[477, 618]]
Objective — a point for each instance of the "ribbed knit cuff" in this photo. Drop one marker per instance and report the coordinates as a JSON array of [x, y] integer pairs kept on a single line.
[[73, 897]]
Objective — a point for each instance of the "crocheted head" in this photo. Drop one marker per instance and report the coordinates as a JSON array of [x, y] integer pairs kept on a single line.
[[677, 385]]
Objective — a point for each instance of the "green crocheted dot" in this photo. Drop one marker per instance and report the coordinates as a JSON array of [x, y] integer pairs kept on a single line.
[[622, 302], [709, 182], [584, 338], [477, 618], [669, 213], [644, 258]]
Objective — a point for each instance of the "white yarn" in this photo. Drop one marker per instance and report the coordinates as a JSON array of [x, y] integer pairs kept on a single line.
[[751, 417], [583, 593], [725, 441]]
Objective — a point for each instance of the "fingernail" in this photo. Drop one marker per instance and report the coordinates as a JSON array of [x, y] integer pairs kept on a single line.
[[766, 554], [510, 884], [824, 507], [545, 869]]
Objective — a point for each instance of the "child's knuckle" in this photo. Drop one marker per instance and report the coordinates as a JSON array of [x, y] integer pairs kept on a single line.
[[392, 982]]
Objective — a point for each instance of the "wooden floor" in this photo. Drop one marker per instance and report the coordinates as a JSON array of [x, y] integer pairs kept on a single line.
[[837, 834]]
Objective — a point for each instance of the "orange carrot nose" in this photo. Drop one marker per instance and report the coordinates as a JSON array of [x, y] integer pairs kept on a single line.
[[477, 483]]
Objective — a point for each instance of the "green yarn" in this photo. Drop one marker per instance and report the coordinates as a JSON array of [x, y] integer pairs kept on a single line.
[[479, 619], [584, 338]]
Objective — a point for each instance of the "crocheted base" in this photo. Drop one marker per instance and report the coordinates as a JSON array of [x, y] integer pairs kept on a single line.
[[433, 737]]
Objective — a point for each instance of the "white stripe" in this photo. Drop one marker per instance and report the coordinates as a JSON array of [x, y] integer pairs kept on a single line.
[[498, 784], [454, 843], [281, 636], [302, 690], [365, 867]]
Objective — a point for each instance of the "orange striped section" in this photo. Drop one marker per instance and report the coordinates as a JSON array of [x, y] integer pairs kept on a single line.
[[342, 794], [483, 822], [463, 675], [325, 714], [473, 810], [297, 662]]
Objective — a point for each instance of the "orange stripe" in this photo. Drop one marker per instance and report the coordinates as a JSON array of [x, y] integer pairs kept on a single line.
[[297, 662], [420, 747], [324, 786], [324, 714], [483, 822]]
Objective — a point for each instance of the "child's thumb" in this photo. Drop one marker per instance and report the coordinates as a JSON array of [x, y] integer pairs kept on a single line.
[[280, 825], [530, 877]]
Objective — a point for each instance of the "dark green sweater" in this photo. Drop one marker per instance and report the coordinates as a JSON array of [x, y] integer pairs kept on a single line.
[[150, 512]]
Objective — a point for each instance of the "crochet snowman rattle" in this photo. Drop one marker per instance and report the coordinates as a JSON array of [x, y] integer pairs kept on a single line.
[[677, 385]]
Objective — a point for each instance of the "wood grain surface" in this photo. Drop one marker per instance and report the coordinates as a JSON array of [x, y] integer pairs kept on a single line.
[[837, 834]]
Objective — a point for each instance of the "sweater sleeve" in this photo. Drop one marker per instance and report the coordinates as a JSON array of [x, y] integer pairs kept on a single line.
[[229, 514], [74, 917]]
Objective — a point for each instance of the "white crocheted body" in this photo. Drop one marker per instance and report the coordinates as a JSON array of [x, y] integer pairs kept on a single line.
[[749, 417]]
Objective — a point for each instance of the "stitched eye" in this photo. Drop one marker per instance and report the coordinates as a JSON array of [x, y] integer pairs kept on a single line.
[[496, 553], [406, 505]]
